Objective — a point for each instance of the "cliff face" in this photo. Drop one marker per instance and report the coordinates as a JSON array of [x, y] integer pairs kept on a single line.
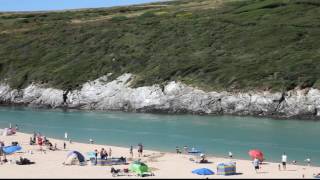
[[175, 97]]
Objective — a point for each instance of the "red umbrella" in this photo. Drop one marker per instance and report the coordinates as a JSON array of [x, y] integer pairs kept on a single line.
[[256, 154]]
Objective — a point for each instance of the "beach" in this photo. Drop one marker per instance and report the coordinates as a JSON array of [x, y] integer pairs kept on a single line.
[[48, 164]]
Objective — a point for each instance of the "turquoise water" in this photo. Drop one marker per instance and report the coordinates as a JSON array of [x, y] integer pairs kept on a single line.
[[215, 135]]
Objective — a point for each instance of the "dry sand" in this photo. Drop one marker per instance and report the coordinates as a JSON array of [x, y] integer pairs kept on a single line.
[[163, 164]]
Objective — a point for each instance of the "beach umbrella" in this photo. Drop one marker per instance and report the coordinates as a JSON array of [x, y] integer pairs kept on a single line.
[[255, 153], [203, 171]]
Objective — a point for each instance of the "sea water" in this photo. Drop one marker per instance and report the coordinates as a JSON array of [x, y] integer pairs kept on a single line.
[[215, 135]]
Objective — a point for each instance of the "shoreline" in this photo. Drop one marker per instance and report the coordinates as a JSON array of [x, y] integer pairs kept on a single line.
[[66, 109], [209, 155], [162, 161]]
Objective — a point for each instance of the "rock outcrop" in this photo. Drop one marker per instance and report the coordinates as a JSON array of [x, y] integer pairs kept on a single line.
[[175, 97]]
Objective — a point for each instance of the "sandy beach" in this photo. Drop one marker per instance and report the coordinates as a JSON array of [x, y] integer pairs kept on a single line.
[[162, 164]]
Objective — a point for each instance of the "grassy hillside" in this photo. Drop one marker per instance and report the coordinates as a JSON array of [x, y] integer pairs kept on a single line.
[[214, 44]]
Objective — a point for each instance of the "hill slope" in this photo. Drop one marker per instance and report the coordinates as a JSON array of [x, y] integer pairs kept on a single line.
[[214, 44]]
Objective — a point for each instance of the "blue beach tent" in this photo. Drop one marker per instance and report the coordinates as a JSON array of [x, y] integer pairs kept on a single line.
[[203, 171], [11, 149], [78, 155]]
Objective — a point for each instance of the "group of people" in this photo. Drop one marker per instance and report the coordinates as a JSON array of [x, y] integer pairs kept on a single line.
[[185, 148], [284, 160], [38, 139], [140, 150], [103, 153]]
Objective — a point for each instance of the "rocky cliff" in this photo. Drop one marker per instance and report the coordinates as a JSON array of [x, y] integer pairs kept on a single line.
[[175, 97]]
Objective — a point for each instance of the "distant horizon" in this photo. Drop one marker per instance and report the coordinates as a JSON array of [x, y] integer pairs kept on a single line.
[[54, 5]]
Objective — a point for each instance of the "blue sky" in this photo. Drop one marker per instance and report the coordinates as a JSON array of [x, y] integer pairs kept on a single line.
[[40, 5]]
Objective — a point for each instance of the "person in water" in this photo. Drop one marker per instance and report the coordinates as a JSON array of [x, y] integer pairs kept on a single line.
[[230, 154], [308, 160], [178, 150], [185, 149]]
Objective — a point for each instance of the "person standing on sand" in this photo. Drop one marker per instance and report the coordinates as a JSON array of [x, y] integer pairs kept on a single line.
[[64, 145], [105, 153], [140, 149], [2, 152], [110, 152], [256, 164], [131, 151], [284, 161], [96, 156]]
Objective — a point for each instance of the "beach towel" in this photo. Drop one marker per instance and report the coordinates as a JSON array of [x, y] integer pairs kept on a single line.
[[11, 149], [109, 161]]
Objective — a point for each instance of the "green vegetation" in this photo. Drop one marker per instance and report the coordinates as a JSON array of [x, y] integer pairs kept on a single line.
[[213, 44]]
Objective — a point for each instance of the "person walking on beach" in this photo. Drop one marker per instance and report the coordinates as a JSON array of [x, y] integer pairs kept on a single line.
[[140, 149], [284, 161], [256, 164], [96, 156], [110, 152], [131, 151], [64, 145]]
